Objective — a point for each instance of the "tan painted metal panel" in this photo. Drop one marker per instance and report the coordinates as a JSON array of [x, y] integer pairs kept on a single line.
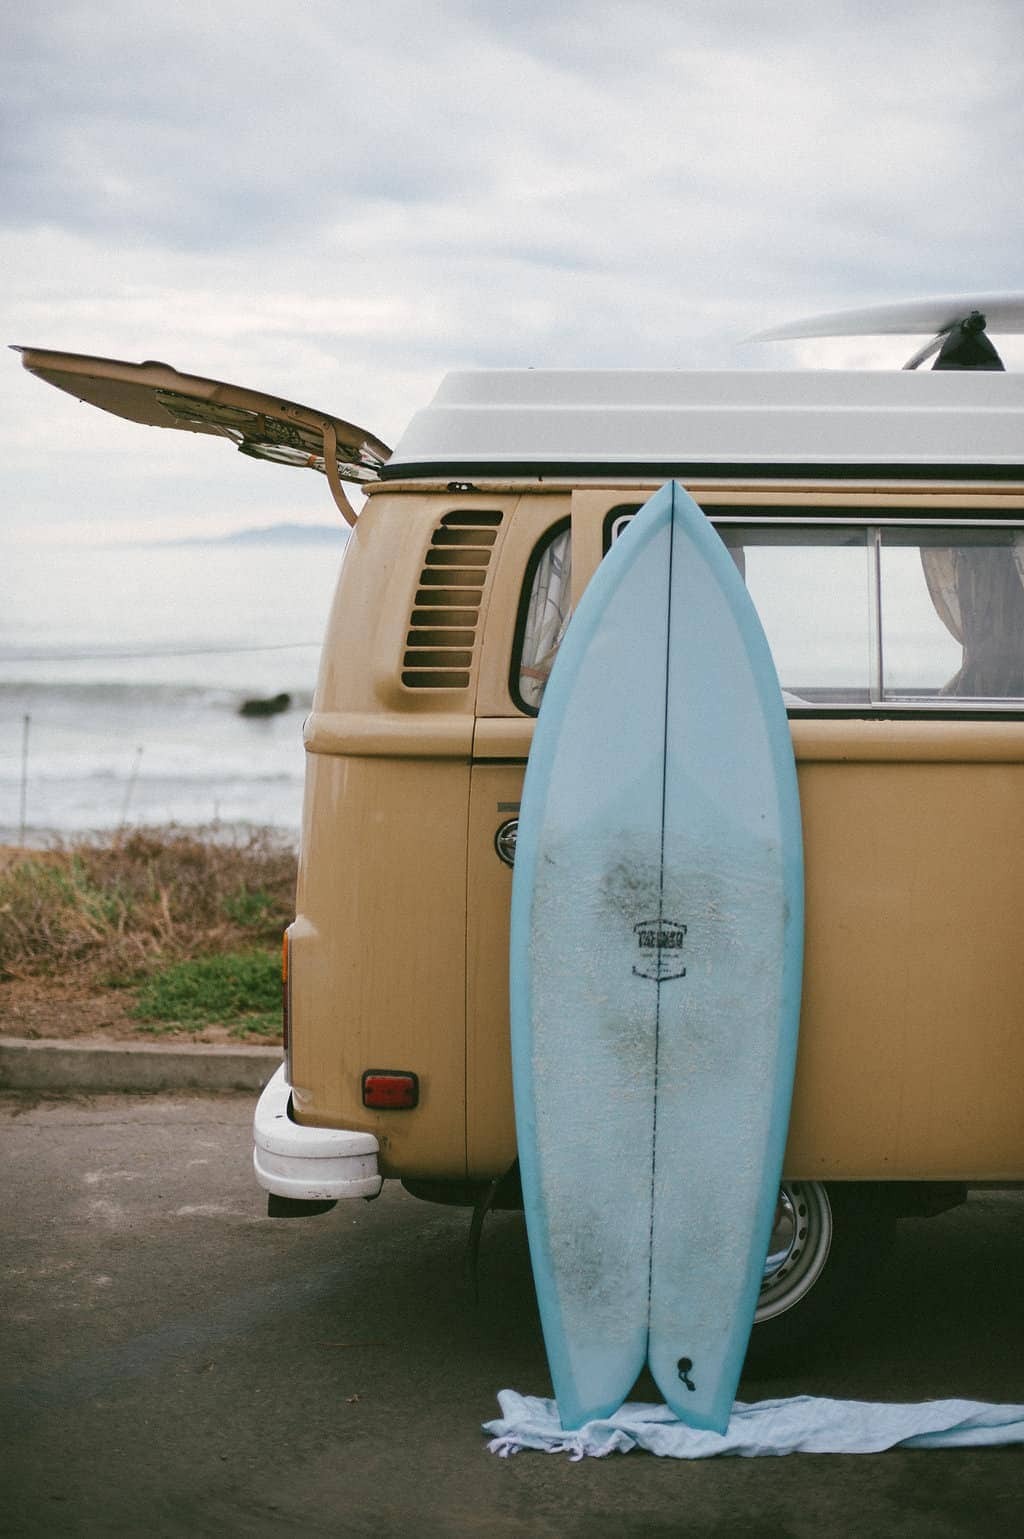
[[379, 953], [507, 737], [490, 1121], [932, 741], [361, 662], [387, 734], [774, 492], [379, 946], [911, 1060], [157, 395]]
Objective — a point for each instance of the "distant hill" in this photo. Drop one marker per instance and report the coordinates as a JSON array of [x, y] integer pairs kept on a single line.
[[272, 534], [287, 534]]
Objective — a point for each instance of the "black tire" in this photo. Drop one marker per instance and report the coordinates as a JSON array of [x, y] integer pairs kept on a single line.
[[831, 1240]]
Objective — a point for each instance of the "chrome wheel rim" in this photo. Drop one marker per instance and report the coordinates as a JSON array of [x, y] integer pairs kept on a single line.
[[798, 1248]]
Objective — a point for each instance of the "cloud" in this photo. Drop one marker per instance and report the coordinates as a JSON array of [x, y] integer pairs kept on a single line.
[[340, 201]]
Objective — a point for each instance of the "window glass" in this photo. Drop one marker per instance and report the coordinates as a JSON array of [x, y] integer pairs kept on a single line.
[[952, 605], [548, 609], [854, 615], [812, 590]]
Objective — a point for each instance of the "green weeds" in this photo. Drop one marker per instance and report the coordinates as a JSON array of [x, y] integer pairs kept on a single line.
[[241, 989], [192, 923]]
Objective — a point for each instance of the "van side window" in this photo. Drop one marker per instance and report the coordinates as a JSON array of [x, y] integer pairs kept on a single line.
[[887, 614], [952, 609], [812, 588], [544, 613]]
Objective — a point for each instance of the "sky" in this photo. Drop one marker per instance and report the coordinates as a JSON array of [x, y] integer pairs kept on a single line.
[[339, 201]]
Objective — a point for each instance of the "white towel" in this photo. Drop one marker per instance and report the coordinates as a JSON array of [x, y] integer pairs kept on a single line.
[[799, 1425]]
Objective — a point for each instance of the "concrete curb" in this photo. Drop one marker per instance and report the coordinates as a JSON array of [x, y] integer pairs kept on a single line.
[[95, 1064]]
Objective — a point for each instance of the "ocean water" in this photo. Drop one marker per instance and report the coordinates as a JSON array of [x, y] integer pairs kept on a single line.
[[122, 670]]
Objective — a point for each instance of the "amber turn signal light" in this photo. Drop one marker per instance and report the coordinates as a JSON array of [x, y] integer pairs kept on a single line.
[[390, 1089]]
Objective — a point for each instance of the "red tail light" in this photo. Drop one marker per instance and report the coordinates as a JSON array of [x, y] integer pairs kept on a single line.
[[390, 1089]]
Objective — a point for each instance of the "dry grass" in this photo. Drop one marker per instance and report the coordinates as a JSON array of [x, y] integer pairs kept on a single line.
[[107, 913]]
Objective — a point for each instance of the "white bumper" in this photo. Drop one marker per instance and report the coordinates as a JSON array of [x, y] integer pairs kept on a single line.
[[309, 1164]]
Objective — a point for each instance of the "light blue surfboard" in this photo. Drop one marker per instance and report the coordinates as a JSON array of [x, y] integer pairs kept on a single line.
[[656, 957]]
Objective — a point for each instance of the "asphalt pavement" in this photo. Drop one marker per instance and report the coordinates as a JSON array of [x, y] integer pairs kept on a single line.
[[174, 1363]]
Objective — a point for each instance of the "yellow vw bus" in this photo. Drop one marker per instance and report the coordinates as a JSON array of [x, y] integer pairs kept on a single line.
[[878, 519]]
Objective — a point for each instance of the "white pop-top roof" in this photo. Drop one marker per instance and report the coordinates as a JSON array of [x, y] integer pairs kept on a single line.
[[547, 421]]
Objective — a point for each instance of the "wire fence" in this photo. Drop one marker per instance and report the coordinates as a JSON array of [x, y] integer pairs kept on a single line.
[[23, 797], [121, 797]]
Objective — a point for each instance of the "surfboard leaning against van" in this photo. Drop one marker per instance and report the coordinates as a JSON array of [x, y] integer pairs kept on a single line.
[[877, 520]]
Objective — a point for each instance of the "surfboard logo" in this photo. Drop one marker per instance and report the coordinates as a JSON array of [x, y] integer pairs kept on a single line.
[[660, 942]]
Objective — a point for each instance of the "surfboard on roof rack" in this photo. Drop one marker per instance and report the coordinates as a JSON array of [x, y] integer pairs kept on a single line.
[[956, 324]]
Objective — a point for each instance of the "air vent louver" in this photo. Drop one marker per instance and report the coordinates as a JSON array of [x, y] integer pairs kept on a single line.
[[443, 628]]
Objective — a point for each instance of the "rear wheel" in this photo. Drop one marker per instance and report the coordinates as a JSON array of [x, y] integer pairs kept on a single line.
[[826, 1243], [798, 1249]]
